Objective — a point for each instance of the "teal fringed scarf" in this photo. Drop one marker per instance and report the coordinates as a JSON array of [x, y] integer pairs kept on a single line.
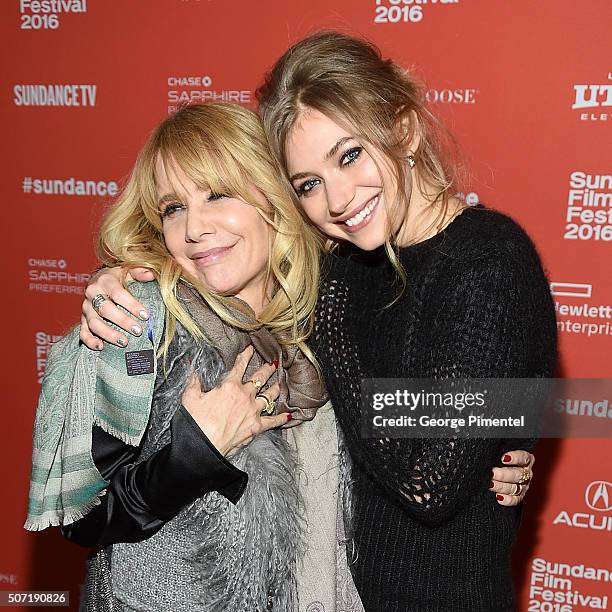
[[82, 387]]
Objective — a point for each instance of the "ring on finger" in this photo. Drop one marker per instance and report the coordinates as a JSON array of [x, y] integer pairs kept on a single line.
[[258, 384], [518, 489], [270, 405], [97, 301], [526, 476]]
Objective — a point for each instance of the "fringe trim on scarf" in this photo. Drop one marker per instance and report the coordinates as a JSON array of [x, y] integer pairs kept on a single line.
[[69, 515]]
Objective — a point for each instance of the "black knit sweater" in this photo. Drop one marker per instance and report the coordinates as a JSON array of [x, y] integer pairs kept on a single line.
[[430, 536]]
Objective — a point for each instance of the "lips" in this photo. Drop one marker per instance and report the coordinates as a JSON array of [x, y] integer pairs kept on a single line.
[[210, 256], [361, 216]]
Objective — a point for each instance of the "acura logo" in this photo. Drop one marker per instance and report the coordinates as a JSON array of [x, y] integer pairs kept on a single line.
[[598, 495]]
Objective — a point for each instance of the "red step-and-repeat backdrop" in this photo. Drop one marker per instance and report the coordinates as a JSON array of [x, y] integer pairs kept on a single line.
[[525, 86]]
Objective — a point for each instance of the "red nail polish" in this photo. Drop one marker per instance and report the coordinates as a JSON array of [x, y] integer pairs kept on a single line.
[[499, 497], [507, 459], [275, 363], [289, 417], [491, 485]]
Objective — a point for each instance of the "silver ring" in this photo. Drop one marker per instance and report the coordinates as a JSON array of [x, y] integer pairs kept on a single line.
[[270, 405], [98, 301]]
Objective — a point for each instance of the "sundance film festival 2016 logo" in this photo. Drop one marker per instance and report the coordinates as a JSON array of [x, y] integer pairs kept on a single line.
[[404, 11], [558, 586], [192, 89], [70, 95], [52, 276], [43, 342], [577, 313], [597, 497], [588, 215], [592, 100], [46, 14]]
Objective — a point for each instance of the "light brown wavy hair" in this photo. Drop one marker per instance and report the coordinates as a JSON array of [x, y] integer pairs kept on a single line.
[[221, 147], [378, 102]]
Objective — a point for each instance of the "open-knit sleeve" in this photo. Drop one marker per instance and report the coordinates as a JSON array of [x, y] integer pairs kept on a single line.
[[477, 302]]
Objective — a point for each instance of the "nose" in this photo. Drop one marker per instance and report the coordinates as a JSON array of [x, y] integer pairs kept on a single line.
[[198, 223], [340, 193]]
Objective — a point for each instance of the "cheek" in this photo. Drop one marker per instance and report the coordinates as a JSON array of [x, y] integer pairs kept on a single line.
[[315, 208], [173, 238], [261, 239], [167, 234], [312, 214], [370, 173], [248, 223], [234, 220]]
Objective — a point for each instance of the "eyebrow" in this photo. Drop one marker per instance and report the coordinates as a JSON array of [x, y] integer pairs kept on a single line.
[[168, 197], [327, 156], [335, 148]]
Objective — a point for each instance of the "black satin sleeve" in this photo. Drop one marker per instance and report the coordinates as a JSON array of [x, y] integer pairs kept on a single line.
[[142, 497]]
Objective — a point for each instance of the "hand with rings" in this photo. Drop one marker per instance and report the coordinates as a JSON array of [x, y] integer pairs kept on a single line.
[[230, 414], [270, 405], [103, 295], [511, 483], [97, 301]]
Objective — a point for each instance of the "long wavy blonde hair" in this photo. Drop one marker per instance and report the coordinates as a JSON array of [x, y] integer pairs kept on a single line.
[[221, 147], [348, 80]]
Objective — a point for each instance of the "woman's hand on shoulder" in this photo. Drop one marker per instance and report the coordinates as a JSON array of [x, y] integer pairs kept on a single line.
[[230, 414], [511, 483], [108, 283]]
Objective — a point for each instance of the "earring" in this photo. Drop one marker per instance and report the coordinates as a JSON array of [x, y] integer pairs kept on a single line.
[[411, 161]]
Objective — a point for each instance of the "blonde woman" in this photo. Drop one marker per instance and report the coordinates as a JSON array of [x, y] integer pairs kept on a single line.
[[420, 286], [168, 459]]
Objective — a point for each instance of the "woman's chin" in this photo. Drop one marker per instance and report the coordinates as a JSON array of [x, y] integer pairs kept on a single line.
[[367, 241]]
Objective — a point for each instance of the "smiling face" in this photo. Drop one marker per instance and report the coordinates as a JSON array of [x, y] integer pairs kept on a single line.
[[222, 240], [344, 189]]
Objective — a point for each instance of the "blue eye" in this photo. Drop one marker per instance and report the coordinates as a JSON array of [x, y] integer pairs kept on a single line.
[[306, 186], [350, 156]]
